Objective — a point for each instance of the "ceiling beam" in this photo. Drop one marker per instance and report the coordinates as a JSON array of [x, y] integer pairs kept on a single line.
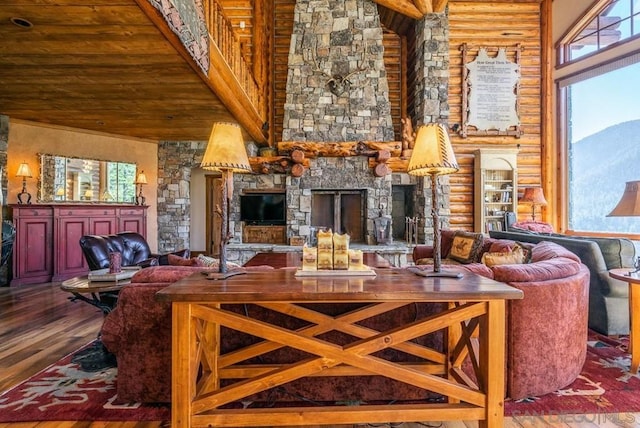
[[424, 6], [404, 7], [439, 5]]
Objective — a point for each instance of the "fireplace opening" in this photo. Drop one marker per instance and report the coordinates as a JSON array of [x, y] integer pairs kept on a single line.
[[342, 211]]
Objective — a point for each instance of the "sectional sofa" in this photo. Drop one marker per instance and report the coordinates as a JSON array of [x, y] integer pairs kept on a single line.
[[608, 297], [546, 344]]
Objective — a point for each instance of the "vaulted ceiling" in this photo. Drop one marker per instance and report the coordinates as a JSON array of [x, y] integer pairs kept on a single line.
[[103, 65]]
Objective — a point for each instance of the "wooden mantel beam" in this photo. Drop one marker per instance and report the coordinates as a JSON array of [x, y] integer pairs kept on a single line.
[[404, 7]]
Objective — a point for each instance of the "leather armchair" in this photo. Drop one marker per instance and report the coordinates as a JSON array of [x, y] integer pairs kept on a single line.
[[133, 247]]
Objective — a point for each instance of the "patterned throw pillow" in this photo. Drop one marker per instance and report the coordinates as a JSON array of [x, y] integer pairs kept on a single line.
[[212, 262], [466, 247], [515, 257]]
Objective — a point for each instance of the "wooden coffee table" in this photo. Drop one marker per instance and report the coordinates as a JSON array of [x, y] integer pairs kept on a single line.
[[633, 279], [101, 294]]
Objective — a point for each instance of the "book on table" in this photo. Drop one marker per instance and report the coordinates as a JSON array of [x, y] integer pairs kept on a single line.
[[103, 275]]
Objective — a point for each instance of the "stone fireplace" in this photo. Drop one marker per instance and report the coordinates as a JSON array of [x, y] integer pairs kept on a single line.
[[337, 92], [331, 37]]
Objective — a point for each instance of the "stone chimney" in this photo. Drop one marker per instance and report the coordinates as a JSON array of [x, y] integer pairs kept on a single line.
[[337, 86]]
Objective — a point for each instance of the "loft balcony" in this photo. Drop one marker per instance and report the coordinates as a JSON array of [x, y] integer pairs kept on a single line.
[[119, 67]]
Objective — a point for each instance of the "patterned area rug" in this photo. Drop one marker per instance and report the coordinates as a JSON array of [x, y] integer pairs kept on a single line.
[[72, 390], [604, 386], [66, 391]]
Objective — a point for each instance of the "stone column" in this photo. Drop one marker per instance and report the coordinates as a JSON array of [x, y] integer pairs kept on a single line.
[[432, 86], [175, 161]]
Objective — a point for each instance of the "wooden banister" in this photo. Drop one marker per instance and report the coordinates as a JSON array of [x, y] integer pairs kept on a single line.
[[227, 43]]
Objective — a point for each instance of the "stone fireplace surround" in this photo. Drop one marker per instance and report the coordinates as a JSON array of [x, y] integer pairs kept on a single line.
[[319, 115]]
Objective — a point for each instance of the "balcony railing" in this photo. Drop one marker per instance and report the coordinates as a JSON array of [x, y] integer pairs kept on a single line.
[[225, 39]]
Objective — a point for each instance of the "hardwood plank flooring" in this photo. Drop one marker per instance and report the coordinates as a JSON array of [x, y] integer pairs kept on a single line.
[[39, 325]]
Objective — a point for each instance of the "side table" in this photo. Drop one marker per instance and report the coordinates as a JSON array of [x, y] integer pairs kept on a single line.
[[103, 294], [633, 279]]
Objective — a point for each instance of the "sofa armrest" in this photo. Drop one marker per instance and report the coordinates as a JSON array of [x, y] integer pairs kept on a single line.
[[137, 315], [151, 261]]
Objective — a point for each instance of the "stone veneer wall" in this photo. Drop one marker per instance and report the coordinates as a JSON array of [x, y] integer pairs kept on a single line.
[[432, 87], [337, 37], [176, 159]]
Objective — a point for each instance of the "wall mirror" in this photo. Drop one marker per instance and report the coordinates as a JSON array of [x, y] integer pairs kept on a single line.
[[68, 179]]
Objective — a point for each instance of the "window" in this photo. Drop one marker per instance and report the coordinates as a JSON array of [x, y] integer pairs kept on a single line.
[[602, 121], [609, 22]]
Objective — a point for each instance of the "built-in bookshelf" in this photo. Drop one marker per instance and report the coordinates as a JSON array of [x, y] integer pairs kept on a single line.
[[496, 188]]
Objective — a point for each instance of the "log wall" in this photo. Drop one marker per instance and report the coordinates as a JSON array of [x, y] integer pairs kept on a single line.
[[495, 24], [487, 24]]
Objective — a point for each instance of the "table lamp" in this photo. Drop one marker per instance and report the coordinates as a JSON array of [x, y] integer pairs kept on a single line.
[[141, 179], [433, 155], [535, 197], [629, 206], [226, 154], [24, 171]]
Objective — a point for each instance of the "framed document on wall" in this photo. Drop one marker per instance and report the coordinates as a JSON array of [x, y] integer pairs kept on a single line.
[[490, 91]]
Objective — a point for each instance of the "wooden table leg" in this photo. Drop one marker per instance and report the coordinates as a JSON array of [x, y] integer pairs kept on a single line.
[[492, 355], [634, 326], [182, 378]]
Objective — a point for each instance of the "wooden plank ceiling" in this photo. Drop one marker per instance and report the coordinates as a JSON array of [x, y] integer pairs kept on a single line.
[[102, 65]]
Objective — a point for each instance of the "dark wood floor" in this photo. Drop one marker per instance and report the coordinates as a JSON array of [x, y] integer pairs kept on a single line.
[[39, 325]]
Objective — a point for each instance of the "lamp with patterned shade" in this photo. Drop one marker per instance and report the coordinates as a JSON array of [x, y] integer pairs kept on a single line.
[[533, 196], [227, 154], [433, 155]]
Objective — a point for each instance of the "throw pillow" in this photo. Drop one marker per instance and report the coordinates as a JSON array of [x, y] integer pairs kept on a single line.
[[465, 247], [212, 262], [514, 257], [527, 250], [181, 261]]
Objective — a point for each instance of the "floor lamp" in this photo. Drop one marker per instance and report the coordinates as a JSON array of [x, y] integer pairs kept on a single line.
[[433, 155], [226, 154]]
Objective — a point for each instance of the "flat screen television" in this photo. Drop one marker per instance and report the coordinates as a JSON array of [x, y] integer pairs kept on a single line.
[[263, 208]]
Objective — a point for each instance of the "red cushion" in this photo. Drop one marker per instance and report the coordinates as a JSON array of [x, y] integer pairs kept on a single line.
[[181, 261], [557, 268]]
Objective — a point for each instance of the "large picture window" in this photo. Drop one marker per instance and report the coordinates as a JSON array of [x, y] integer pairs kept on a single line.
[[602, 120], [599, 117]]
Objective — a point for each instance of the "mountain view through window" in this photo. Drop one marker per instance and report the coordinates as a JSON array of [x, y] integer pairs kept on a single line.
[[604, 148]]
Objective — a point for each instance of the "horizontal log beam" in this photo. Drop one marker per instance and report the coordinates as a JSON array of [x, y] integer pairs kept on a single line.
[[396, 164], [274, 164], [342, 149], [404, 7]]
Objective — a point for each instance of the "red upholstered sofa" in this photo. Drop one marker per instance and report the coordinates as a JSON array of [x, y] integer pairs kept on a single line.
[[138, 332], [547, 329], [546, 334]]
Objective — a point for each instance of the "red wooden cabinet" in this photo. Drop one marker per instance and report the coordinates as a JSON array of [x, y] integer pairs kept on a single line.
[[32, 249], [47, 237]]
